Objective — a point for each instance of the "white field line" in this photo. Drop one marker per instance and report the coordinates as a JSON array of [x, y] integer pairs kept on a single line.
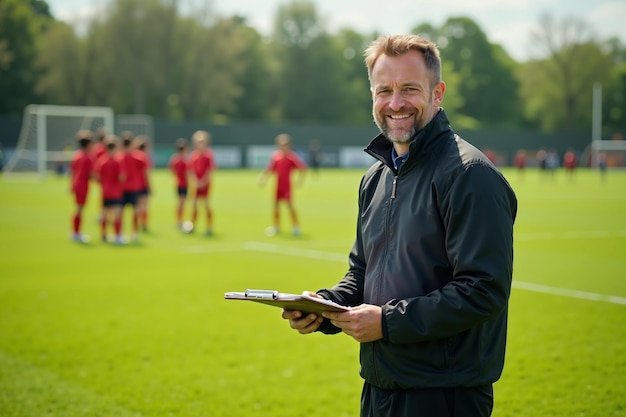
[[599, 234], [528, 286], [302, 253]]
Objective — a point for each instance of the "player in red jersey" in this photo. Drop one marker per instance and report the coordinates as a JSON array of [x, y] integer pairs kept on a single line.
[[282, 163], [81, 168], [178, 165], [142, 162], [132, 181], [202, 164], [109, 172], [519, 160], [99, 148], [570, 162]]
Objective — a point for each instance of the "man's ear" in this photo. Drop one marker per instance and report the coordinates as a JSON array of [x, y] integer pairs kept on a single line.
[[438, 93]]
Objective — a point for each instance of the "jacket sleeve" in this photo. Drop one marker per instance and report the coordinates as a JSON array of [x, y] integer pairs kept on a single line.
[[478, 209]]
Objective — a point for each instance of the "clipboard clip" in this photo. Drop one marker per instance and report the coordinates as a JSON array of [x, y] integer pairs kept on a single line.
[[261, 294]]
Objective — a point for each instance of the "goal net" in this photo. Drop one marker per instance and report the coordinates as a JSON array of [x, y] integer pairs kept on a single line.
[[138, 124], [47, 137], [612, 152]]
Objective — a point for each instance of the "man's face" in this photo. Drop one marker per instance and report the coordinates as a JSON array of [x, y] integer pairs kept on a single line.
[[403, 101]]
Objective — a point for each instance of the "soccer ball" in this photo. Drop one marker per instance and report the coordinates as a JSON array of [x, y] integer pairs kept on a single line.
[[187, 227]]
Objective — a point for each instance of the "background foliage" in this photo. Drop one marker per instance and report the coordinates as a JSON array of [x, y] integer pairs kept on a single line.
[[146, 56]]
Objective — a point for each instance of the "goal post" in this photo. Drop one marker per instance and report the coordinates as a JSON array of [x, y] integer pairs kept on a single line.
[[48, 132]]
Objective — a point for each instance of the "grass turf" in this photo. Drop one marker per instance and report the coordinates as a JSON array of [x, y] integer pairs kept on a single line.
[[143, 330]]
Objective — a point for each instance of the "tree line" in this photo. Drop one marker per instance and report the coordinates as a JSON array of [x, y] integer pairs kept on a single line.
[[146, 57]]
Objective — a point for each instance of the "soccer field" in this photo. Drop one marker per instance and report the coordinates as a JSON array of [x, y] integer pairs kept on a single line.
[[143, 329]]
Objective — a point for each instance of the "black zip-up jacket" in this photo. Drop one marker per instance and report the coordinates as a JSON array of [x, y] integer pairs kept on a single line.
[[434, 248]]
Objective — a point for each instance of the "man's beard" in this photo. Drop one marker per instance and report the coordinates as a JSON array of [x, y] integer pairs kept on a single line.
[[405, 136], [401, 137]]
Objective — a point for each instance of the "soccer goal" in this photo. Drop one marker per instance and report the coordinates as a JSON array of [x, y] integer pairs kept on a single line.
[[612, 152], [47, 138]]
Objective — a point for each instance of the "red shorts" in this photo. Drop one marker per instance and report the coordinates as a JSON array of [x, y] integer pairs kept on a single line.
[[283, 194], [202, 191], [81, 196]]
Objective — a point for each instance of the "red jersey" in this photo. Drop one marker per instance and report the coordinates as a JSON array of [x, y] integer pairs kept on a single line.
[[178, 165], [98, 150], [135, 171], [201, 163], [520, 160], [110, 174], [570, 160], [143, 165], [282, 164], [81, 166]]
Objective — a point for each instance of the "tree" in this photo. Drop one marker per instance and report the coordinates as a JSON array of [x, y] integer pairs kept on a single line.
[[488, 87], [209, 87], [453, 101], [310, 66], [257, 79], [63, 59], [18, 50], [557, 89], [357, 107]]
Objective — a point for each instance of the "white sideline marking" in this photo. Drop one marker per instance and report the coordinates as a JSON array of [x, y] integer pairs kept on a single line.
[[305, 253], [591, 296], [528, 286], [598, 234]]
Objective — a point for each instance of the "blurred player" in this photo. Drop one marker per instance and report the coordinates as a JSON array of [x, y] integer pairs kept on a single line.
[[282, 163], [109, 172], [81, 168], [178, 166], [519, 160], [570, 162], [142, 161], [99, 149], [132, 180], [202, 164]]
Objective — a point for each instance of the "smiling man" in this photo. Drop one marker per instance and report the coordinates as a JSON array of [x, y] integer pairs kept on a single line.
[[430, 270]]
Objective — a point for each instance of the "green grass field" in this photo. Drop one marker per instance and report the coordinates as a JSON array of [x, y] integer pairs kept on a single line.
[[143, 330]]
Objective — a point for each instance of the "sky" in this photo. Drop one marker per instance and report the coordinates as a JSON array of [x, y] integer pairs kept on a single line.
[[507, 22]]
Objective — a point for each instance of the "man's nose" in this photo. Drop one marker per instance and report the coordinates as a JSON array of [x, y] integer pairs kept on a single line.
[[397, 101]]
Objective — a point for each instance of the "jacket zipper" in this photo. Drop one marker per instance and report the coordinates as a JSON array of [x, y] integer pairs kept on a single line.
[[393, 187]]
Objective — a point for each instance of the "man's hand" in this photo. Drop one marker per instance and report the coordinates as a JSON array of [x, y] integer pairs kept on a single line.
[[363, 323], [304, 324]]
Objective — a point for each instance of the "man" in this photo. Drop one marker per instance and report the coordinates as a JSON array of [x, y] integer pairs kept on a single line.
[[282, 163], [81, 168], [202, 164], [430, 271]]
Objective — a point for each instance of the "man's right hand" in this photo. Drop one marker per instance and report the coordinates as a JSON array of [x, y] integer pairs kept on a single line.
[[304, 325]]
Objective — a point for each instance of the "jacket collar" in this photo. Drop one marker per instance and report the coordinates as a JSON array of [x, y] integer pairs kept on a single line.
[[422, 143]]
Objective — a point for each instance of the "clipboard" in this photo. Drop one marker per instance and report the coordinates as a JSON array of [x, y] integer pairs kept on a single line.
[[301, 302]]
